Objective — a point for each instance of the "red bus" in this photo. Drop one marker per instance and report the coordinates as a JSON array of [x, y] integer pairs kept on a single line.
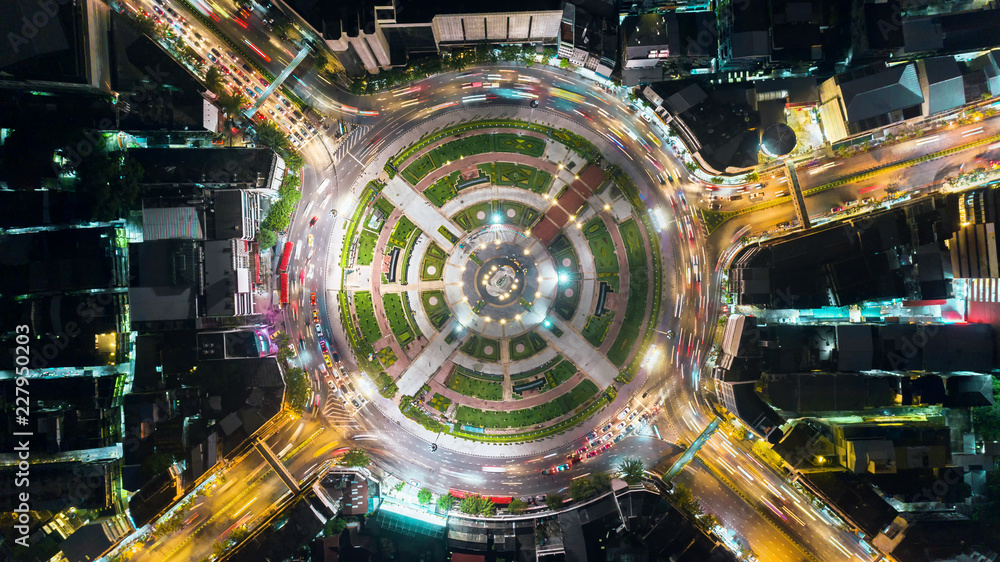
[[870, 188], [286, 255], [284, 288], [462, 494]]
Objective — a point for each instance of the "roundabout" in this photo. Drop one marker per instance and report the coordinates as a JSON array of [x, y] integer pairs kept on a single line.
[[499, 282]]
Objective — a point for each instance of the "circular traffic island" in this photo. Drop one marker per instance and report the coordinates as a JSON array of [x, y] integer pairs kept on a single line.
[[499, 286]]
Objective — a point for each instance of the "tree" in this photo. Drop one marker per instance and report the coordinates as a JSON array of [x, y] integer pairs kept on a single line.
[[986, 419], [355, 457], [297, 389], [424, 496], [445, 502], [708, 521], [213, 81], [753, 176], [554, 500], [601, 481], [516, 506], [266, 238], [691, 166], [474, 504], [110, 181], [581, 489], [156, 463], [334, 527], [632, 470], [268, 134], [230, 104]]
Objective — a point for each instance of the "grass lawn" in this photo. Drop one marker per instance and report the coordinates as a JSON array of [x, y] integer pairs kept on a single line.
[[635, 251], [418, 169], [481, 348], [397, 318], [404, 262], [538, 370], [441, 191], [478, 388], [366, 316], [432, 268], [435, 307], [517, 175], [496, 212], [528, 343], [385, 206], [560, 373], [440, 403], [509, 142], [467, 146], [366, 247], [635, 310], [562, 250], [566, 300], [597, 328], [601, 245], [559, 406], [401, 232], [387, 357]]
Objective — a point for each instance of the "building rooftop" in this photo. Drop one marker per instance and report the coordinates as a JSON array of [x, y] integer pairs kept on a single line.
[[881, 92]]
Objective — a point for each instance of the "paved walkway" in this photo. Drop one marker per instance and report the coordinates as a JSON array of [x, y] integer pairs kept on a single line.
[[488, 192], [427, 364], [589, 360], [427, 217], [508, 393]]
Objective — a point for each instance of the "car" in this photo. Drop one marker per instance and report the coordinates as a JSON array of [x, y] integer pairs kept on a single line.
[[836, 209], [326, 360], [158, 10], [632, 416], [780, 193], [620, 426], [356, 403], [619, 437], [591, 454], [312, 299], [623, 413], [336, 357], [302, 343], [315, 316], [319, 329], [759, 186], [247, 68], [414, 483], [867, 200], [263, 82], [607, 427], [332, 385], [563, 467], [784, 224], [322, 346], [313, 220], [343, 389], [851, 203], [546, 471]]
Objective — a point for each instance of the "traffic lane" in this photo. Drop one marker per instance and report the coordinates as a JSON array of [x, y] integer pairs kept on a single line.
[[753, 530]]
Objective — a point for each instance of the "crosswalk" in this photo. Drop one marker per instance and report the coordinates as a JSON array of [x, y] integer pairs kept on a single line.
[[348, 141], [336, 414]]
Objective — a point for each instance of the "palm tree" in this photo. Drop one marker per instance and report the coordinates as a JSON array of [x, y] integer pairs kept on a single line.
[[213, 81], [631, 470]]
